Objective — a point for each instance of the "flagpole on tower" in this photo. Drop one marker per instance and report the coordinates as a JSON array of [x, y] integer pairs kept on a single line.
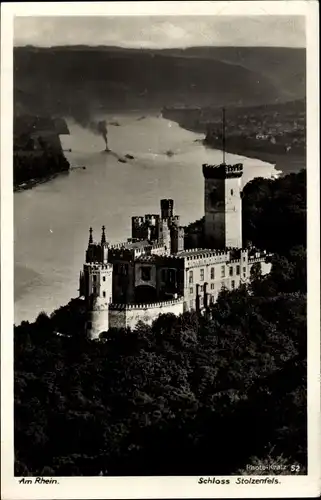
[[223, 134]]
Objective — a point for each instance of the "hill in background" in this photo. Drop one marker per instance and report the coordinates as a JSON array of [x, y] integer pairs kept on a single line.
[[80, 81]]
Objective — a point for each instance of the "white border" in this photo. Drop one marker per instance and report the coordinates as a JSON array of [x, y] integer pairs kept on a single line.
[[160, 487]]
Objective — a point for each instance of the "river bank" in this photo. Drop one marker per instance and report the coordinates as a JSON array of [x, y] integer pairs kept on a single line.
[[24, 186], [263, 150], [283, 162], [52, 220]]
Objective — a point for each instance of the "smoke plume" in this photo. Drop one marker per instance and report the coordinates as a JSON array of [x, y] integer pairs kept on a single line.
[[84, 119], [102, 129]]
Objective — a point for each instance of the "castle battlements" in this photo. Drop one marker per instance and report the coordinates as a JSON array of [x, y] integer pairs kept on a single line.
[[261, 258], [222, 171], [146, 306], [135, 249], [97, 266], [155, 246]]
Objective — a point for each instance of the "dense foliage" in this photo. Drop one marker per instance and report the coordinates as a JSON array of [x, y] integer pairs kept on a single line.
[[274, 212], [29, 166], [188, 395]]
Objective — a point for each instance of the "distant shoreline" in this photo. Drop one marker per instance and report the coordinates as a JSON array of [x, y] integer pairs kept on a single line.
[[282, 162]]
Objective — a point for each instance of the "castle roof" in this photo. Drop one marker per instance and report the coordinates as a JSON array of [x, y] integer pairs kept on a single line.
[[201, 252], [130, 245]]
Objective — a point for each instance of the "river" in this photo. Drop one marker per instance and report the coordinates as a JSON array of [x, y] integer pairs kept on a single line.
[[52, 219]]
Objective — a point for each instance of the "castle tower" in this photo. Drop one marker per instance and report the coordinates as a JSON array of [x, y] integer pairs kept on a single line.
[[138, 226], [177, 239], [96, 286], [223, 205], [167, 207], [164, 234]]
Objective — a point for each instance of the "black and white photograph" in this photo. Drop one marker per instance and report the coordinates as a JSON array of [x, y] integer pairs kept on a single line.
[[160, 298]]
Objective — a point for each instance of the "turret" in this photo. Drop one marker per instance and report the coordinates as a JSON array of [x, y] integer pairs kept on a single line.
[[177, 239], [104, 246], [164, 236], [97, 252], [95, 285]]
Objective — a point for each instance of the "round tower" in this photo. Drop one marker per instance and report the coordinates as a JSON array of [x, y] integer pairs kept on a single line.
[[96, 286], [98, 297]]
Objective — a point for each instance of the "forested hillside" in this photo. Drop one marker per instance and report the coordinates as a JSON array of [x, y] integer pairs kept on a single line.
[[189, 394], [73, 81]]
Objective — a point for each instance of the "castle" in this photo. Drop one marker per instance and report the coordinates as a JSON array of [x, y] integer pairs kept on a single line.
[[151, 273]]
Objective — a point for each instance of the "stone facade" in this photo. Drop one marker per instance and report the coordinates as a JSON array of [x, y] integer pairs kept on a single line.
[[223, 205], [128, 315], [152, 274]]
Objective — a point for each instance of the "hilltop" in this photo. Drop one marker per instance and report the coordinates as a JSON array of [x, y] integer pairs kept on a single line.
[[83, 80]]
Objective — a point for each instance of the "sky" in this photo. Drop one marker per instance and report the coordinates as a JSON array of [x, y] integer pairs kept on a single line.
[[161, 32]]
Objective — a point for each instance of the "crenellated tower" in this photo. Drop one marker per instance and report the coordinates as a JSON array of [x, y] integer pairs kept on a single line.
[[163, 229], [167, 207], [223, 205], [96, 285]]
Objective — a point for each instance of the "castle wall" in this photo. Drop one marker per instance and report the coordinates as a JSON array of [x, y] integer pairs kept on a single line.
[[145, 270], [126, 315], [117, 318], [214, 205], [206, 275], [123, 281], [97, 322]]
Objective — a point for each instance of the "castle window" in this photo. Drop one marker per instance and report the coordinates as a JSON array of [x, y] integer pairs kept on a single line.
[[171, 275], [191, 290], [212, 299], [191, 304], [104, 278], [244, 272], [233, 284], [238, 270], [201, 301], [223, 272], [94, 277], [201, 288], [212, 286], [104, 294], [232, 192], [244, 259], [231, 271], [202, 274], [94, 290], [190, 279], [145, 273], [212, 273]]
